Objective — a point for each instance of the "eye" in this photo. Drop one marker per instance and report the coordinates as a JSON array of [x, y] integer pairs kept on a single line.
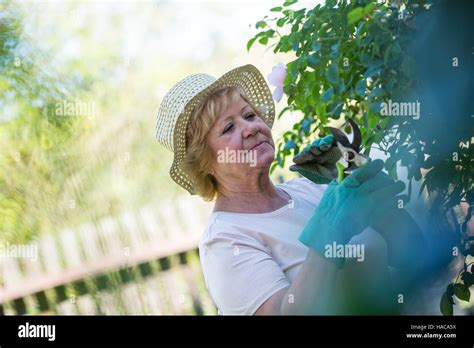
[[231, 125], [228, 128], [249, 116]]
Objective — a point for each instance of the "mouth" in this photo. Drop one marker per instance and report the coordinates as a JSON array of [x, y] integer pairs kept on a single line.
[[257, 144]]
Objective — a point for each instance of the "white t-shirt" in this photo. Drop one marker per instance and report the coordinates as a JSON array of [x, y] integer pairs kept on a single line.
[[246, 258]]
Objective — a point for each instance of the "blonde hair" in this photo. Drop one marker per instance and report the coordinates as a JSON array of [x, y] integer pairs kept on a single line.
[[198, 160]]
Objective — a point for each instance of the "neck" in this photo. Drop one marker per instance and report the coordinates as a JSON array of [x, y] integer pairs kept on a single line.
[[254, 194]]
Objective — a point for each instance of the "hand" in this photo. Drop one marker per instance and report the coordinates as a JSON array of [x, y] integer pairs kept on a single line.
[[405, 241], [346, 209], [402, 234], [317, 162]]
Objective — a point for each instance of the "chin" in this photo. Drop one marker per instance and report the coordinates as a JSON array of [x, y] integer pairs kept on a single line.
[[265, 160]]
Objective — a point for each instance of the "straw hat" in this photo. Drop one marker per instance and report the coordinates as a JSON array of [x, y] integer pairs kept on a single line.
[[180, 101]]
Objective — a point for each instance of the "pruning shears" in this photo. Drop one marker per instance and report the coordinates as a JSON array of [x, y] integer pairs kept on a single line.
[[351, 158]]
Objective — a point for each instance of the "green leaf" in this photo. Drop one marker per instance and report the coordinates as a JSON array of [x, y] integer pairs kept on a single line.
[[327, 96], [295, 44], [467, 278], [446, 305], [269, 33], [396, 49], [359, 29], [376, 107], [276, 9], [274, 165], [369, 9], [279, 159], [331, 3], [294, 68], [281, 22], [366, 119], [377, 92], [360, 87], [462, 292], [391, 165], [333, 74], [289, 2], [386, 56], [290, 144], [369, 62], [250, 43], [285, 44], [260, 24], [316, 47], [285, 109], [263, 40], [371, 72], [306, 124], [365, 59], [334, 109], [355, 15], [314, 60], [367, 40], [341, 87], [389, 86]]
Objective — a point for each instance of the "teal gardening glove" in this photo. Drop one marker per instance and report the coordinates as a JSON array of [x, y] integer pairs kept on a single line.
[[346, 209], [317, 162]]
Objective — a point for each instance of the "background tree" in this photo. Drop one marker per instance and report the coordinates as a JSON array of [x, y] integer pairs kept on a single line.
[[30, 137], [354, 56]]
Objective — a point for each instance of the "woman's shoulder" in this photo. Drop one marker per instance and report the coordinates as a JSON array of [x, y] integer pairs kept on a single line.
[[225, 230]]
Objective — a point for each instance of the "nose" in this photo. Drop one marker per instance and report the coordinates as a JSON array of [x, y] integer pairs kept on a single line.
[[249, 129]]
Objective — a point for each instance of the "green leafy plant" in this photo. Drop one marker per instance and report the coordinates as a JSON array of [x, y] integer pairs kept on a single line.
[[351, 59]]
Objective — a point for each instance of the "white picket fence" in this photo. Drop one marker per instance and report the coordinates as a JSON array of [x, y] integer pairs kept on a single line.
[[113, 244]]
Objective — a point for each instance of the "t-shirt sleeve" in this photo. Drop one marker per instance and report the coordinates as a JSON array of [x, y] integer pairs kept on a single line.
[[240, 272]]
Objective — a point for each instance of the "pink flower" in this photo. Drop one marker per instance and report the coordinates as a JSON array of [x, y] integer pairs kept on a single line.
[[276, 78]]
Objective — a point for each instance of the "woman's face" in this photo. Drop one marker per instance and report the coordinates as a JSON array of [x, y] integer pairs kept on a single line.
[[240, 142]]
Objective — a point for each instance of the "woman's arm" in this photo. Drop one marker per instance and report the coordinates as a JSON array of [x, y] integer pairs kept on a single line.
[[313, 290], [310, 289], [341, 218], [322, 288]]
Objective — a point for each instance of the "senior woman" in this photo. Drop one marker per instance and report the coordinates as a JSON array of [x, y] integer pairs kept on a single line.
[[271, 249]]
